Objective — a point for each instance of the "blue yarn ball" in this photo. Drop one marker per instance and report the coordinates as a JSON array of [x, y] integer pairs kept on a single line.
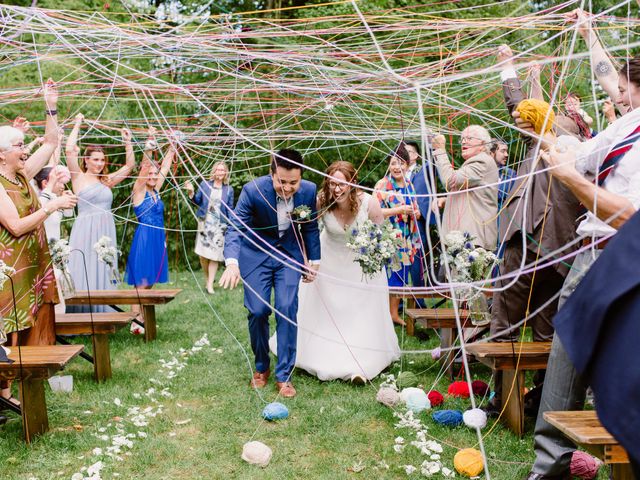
[[449, 418], [275, 411]]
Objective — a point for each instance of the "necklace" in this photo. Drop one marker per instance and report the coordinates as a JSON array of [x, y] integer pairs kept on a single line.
[[15, 180]]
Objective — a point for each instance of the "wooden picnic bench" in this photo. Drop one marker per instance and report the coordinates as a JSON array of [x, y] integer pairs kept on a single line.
[[513, 359], [99, 326], [146, 298], [31, 367], [584, 428]]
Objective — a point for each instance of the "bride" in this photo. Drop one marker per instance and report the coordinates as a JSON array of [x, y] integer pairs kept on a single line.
[[344, 326]]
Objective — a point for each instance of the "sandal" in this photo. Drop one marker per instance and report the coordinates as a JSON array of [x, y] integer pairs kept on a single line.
[[9, 398]]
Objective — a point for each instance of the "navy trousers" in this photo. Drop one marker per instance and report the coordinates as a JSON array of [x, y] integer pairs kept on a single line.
[[283, 281]]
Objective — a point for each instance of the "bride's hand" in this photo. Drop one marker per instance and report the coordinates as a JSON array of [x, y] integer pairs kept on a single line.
[[312, 272]]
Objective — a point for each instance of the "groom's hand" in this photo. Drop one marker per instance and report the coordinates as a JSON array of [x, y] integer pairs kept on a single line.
[[230, 277], [312, 271]]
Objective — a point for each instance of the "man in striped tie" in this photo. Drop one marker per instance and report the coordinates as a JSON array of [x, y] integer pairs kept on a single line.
[[604, 175]]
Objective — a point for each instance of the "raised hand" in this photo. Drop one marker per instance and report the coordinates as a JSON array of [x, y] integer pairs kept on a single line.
[[582, 20], [126, 135], [504, 55], [609, 110], [438, 142], [21, 124], [50, 94]]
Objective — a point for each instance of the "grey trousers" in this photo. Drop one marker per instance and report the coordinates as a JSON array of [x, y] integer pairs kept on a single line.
[[563, 388]]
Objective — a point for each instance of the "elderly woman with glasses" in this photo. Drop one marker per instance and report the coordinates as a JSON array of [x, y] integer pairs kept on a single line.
[[27, 305], [472, 198]]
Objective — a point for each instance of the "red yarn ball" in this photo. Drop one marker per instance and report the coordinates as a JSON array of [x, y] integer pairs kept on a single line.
[[435, 398], [459, 389], [479, 388], [584, 465]]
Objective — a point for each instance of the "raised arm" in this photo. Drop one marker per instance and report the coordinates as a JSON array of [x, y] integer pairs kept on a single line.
[[39, 159], [536, 86], [72, 150], [468, 175], [123, 172], [167, 162], [601, 64], [140, 185]]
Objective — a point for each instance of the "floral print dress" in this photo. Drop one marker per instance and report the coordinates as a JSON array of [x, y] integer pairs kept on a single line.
[[34, 281]]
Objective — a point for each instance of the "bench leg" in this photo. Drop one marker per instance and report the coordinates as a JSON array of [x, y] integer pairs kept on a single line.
[[446, 341], [102, 357], [513, 400], [149, 314], [34, 408], [621, 471], [411, 326]]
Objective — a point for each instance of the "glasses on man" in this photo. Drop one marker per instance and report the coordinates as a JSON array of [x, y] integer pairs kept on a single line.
[[19, 145]]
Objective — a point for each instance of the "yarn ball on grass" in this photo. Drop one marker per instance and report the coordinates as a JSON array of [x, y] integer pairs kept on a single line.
[[448, 418], [459, 389], [535, 112], [479, 388], [584, 465], [406, 392], [275, 411], [435, 398], [406, 379], [388, 396], [416, 400], [256, 453], [475, 418], [468, 462]]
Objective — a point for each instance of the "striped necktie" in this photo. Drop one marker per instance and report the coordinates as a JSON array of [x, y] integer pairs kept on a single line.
[[616, 154]]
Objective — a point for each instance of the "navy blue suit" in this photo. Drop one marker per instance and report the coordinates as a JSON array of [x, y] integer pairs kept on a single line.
[[599, 326], [268, 262]]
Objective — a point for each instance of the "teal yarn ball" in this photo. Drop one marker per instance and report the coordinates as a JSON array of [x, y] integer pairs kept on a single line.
[[275, 411], [449, 418]]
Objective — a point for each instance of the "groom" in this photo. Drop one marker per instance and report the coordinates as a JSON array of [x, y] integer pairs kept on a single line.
[[272, 240]]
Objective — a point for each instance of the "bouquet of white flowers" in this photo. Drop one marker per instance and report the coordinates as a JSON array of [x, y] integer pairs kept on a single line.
[[108, 254], [60, 251], [375, 246], [5, 272], [468, 264]]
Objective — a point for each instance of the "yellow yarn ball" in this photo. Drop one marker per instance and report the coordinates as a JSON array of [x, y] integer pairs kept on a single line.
[[534, 112], [468, 462]]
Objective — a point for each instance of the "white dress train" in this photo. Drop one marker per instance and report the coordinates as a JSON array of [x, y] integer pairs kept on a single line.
[[344, 325]]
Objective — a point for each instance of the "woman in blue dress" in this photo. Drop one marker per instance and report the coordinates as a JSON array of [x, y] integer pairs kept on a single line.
[[147, 262]]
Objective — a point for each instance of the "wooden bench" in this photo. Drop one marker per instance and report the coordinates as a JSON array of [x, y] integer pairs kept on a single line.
[[584, 428], [146, 298], [32, 366], [513, 359], [99, 326]]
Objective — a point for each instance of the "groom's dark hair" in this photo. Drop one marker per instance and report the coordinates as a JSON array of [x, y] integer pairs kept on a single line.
[[288, 159]]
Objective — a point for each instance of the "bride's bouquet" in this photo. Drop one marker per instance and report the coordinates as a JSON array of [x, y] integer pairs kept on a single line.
[[60, 251], [468, 264], [108, 254], [375, 246]]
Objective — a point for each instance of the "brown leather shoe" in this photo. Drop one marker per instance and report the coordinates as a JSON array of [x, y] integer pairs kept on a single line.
[[259, 379], [286, 389]]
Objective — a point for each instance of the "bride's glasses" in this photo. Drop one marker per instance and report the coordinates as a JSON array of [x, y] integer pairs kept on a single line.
[[333, 185]]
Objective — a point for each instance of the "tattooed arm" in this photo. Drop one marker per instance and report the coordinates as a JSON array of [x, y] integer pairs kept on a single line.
[[603, 68]]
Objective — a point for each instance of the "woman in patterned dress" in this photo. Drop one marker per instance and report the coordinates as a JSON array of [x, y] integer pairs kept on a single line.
[[23, 243], [398, 201], [214, 199]]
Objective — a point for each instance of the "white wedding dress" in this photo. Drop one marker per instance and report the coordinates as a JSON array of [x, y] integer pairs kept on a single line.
[[344, 325]]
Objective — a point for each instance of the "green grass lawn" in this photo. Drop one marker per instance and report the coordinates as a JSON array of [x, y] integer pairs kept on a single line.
[[335, 430]]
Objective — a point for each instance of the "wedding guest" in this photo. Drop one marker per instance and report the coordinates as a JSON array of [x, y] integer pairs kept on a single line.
[[214, 199], [344, 326], [271, 243], [397, 199], [500, 153], [147, 263], [29, 319], [51, 184], [612, 159], [472, 200], [93, 184]]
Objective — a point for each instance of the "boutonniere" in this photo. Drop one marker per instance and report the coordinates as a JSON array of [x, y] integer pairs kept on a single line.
[[300, 213]]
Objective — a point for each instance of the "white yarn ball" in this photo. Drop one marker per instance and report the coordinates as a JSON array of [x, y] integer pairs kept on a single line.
[[256, 453], [407, 392], [388, 396], [475, 418], [415, 399]]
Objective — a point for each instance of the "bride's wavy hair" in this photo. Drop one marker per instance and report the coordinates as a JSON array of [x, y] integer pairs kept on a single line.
[[326, 200]]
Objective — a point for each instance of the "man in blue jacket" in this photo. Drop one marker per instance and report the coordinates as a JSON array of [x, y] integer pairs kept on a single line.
[[271, 242]]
